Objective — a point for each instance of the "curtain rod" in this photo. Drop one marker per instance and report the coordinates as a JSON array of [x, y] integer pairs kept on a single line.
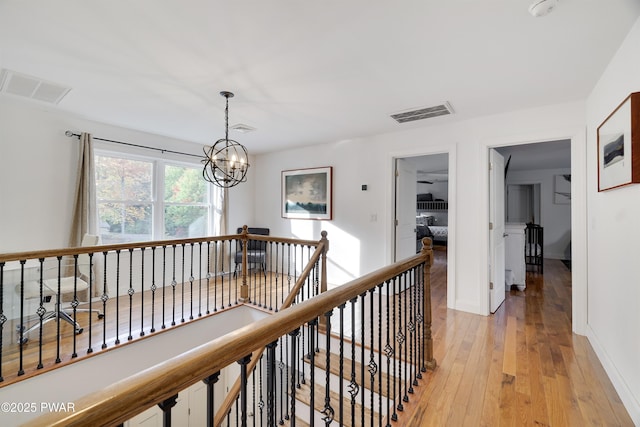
[[162, 150]]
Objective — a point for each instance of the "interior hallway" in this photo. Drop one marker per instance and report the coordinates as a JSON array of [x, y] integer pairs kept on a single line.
[[521, 366]]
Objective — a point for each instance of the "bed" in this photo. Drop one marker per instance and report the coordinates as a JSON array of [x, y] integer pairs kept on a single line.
[[534, 247], [426, 228]]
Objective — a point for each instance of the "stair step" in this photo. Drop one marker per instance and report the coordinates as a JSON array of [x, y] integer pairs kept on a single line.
[[303, 394], [320, 362], [299, 423]]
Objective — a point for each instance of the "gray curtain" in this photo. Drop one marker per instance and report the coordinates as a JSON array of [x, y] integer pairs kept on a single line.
[[84, 207]]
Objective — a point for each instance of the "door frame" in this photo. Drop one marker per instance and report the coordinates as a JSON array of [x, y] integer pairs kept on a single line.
[[452, 217], [579, 274]]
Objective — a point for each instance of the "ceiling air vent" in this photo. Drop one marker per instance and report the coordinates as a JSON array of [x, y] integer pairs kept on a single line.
[[242, 128], [26, 86], [422, 113]]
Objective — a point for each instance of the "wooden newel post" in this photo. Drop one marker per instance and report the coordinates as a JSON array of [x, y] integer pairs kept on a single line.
[[323, 276], [323, 266], [427, 252], [244, 288]]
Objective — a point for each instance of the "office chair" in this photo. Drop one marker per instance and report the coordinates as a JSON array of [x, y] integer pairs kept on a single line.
[[69, 283]]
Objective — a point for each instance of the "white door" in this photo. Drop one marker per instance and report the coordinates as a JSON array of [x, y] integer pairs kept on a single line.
[[496, 230], [405, 210]]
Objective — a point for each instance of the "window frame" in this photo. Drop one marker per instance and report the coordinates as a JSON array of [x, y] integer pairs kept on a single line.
[[157, 202]]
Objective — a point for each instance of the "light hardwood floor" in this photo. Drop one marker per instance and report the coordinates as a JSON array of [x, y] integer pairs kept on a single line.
[[519, 367]]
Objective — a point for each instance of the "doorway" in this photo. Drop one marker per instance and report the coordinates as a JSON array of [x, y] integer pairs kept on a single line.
[[531, 176], [423, 208]]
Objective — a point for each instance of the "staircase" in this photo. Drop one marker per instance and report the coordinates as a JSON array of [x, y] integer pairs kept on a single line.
[[365, 402]]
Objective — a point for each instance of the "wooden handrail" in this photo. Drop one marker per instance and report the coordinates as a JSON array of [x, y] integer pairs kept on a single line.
[[230, 399], [124, 399], [51, 253]]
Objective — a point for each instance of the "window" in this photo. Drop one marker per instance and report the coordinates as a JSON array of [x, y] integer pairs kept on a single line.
[[142, 199], [186, 202]]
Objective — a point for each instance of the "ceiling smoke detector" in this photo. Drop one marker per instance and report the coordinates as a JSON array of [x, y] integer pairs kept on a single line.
[[542, 7]]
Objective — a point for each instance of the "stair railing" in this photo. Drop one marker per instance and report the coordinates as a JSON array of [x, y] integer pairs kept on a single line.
[[394, 332], [133, 291]]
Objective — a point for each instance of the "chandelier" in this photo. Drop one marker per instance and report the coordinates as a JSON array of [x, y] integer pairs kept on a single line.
[[226, 162]]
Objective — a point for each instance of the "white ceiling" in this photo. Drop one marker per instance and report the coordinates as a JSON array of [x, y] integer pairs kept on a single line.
[[307, 72]]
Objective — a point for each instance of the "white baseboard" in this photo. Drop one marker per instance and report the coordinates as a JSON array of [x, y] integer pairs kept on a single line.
[[626, 396]]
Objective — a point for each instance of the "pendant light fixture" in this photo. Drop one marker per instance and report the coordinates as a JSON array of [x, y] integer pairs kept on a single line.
[[226, 162]]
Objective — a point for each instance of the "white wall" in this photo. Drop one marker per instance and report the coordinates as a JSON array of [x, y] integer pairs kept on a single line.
[[613, 231], [556, 218], [360, 244], [38, 172]]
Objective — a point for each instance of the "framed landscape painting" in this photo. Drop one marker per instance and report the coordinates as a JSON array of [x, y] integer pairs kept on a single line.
[[307, 193], [619, 145]]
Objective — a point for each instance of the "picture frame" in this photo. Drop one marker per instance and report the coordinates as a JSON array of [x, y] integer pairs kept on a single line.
[[619, 145], [562, 189], [307, 193]]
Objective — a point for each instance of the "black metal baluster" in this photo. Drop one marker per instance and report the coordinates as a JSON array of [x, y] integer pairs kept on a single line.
[[414, 330], [166, 406], [379, 355], [74, 304], [200, 279], [372, 367], [311, 355], [90, 296], [208, 275], [131, 291], [173, 289], [236, 282], [388, 350], [353, 385], [394, 416], [191, 279], [261, 401], [243, 389], [3, 317], [153, 289], [104, 298], [22, 323], [142, 291], [362, 364], [420, 321], [411, 328], [286, 376], [41, 312], [117, 297], [253, 394], [341, 367], [271, 277], [282, 381], [222, 275], [271, 384], [182, 286], [405, 398], [215, 275], [328, 411], [400, 339], [164, 283], [293, 362], [58, 302], [269, 256], [210, 381]]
